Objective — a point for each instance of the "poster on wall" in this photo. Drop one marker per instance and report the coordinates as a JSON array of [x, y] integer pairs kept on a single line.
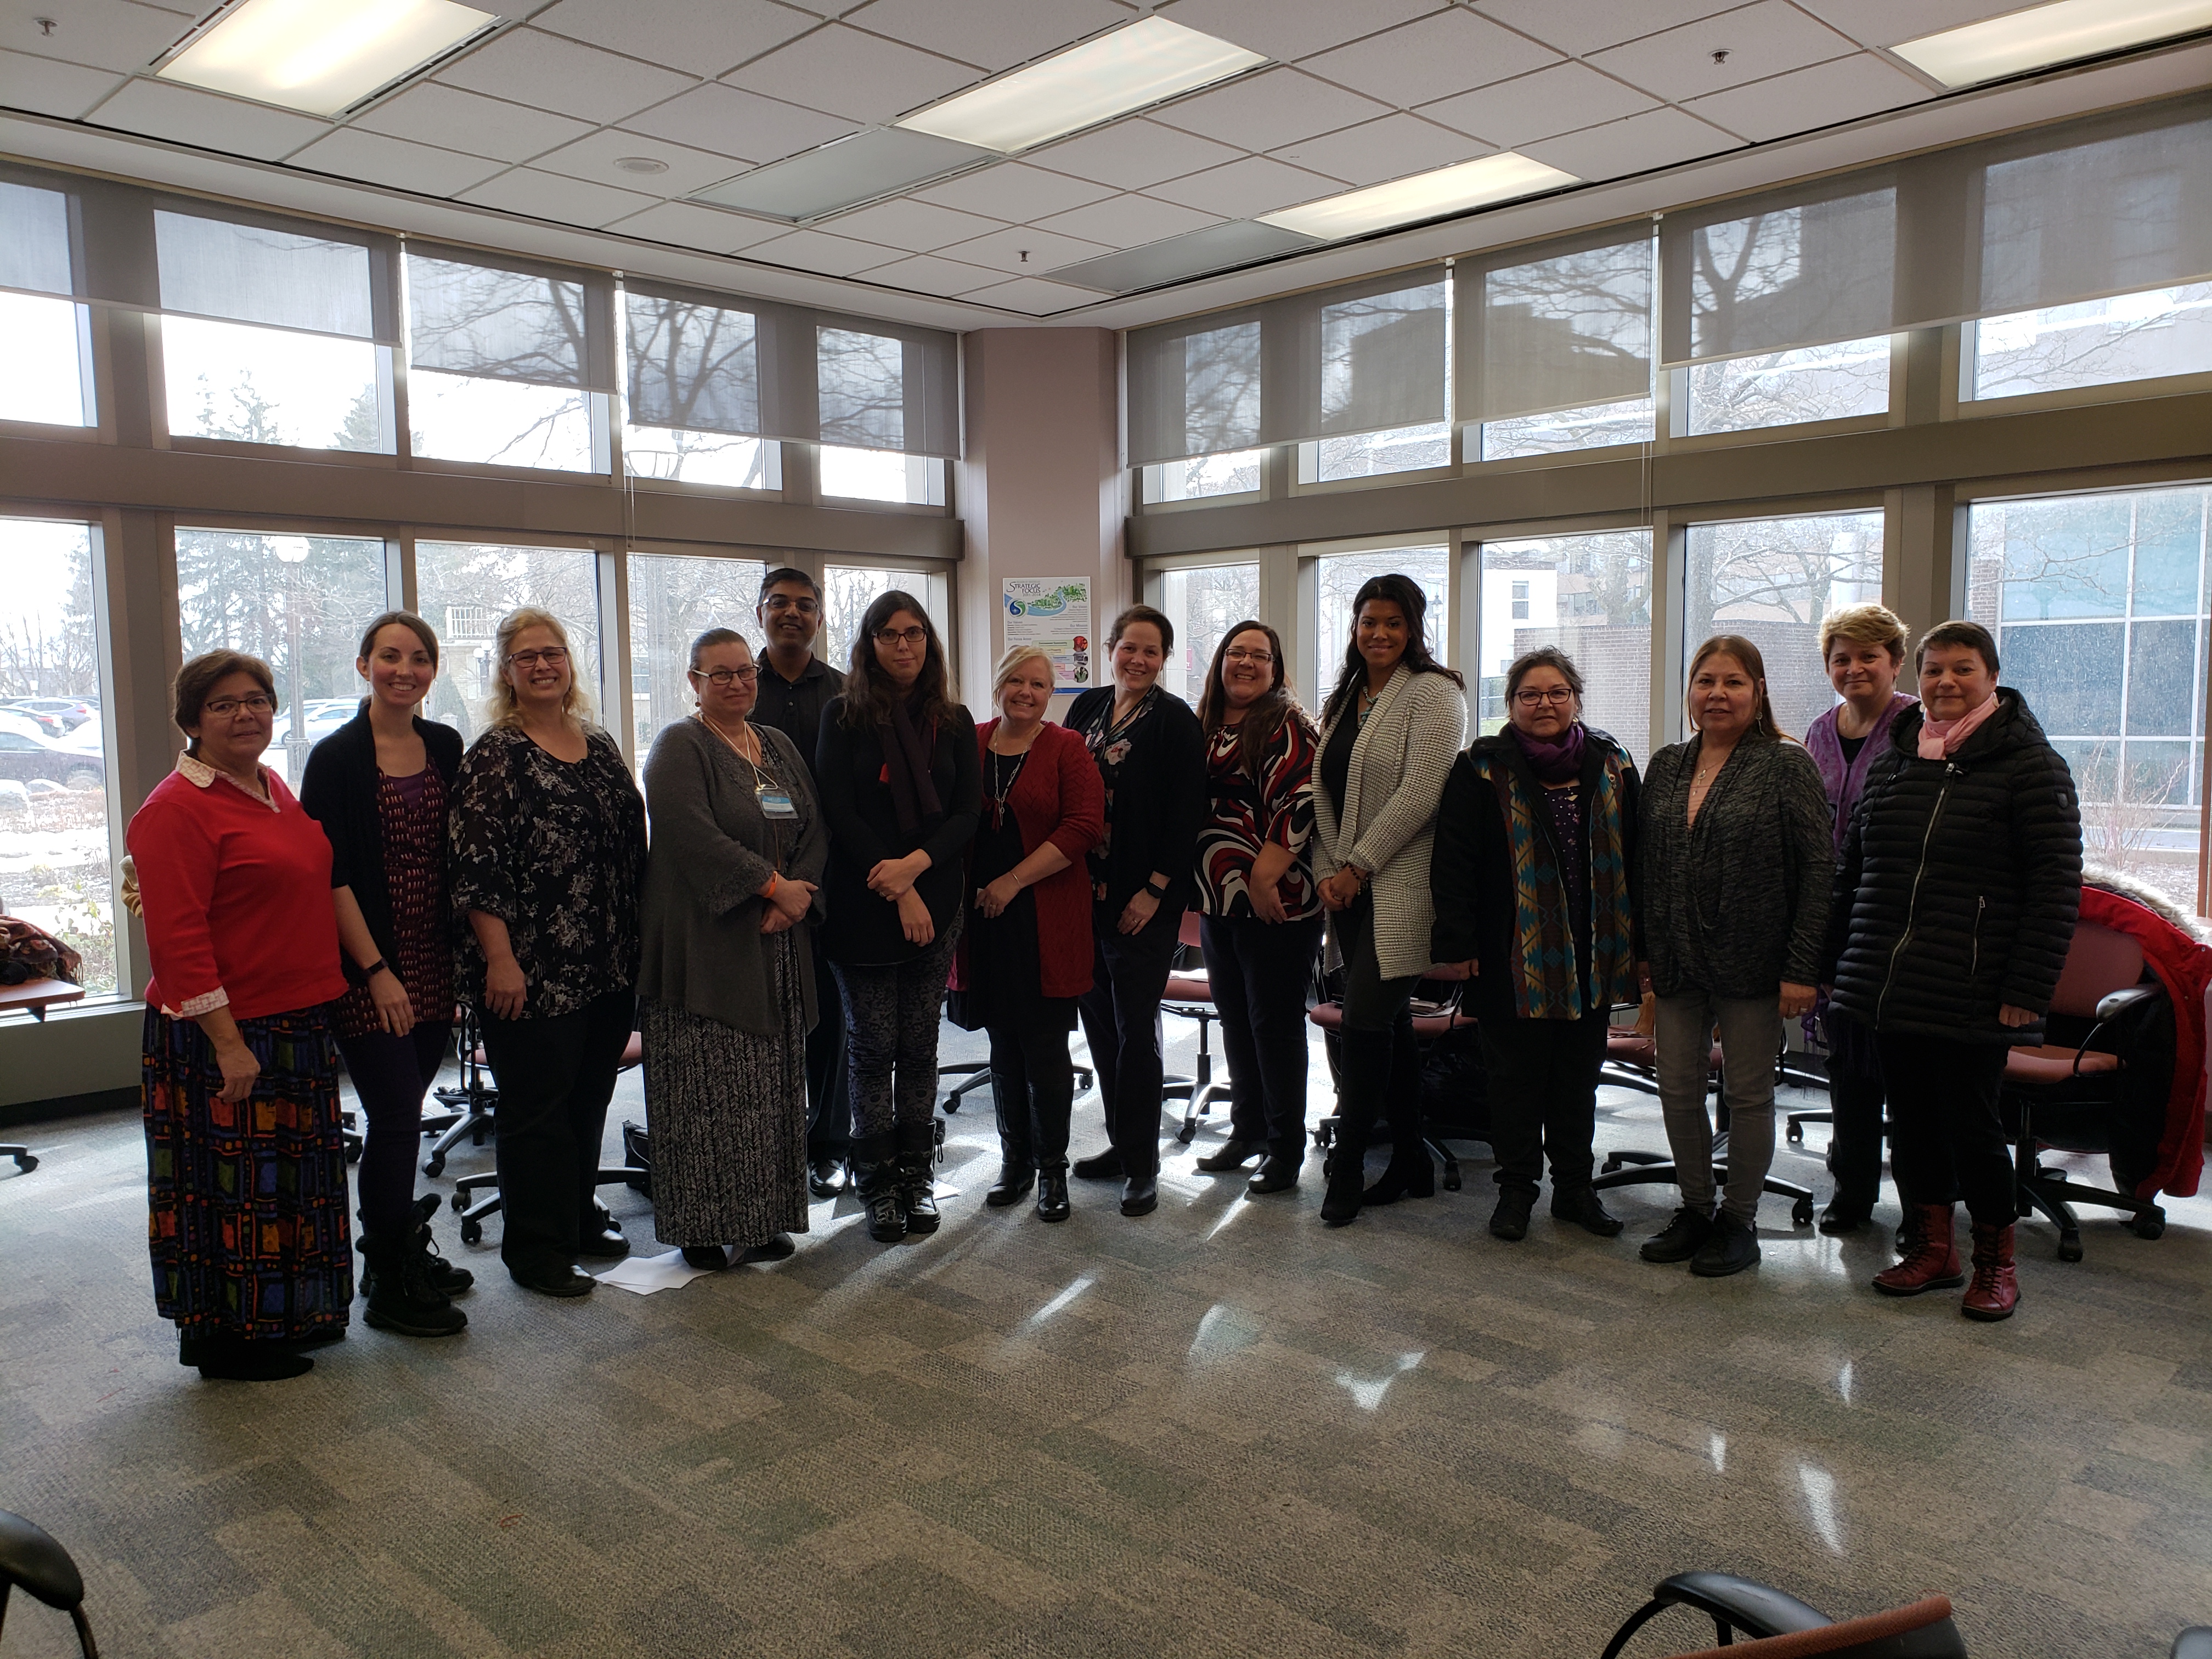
[[1053, 613]]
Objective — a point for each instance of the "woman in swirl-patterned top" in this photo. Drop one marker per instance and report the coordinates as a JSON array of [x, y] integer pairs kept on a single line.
[[1260, 912]]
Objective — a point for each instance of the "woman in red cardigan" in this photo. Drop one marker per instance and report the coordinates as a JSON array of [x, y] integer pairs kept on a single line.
[[1025, 956]]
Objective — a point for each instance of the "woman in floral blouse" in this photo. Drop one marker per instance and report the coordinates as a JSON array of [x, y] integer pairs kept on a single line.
[[548, 848], [1261, 914]]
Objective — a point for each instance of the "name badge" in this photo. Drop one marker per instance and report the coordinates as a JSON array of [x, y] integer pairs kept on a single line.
[[776, 803]]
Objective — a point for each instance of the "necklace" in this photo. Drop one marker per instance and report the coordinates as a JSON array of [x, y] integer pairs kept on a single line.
[[1003, 786]]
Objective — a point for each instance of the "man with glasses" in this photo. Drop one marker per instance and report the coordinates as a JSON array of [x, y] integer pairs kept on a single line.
[[795, 687]]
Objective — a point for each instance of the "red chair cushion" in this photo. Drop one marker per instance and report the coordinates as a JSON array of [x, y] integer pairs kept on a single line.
[[1330, 1015], [633, 1052], [1181, 988], [2053, 1063]]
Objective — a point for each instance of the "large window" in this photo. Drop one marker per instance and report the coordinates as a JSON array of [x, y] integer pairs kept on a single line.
[[1204, 604], [1591, 597], [498, 366], [707, 458], [1235, 473], [54, 865], [299, 603], [847, 590], [1785, 388], [1772, 581], [693, 409], [1341, 575], [862, 383], [880, 475], [2130, 336], [674, 599], [1563, 350], [49, 375], [463, 590], [2099, 606]]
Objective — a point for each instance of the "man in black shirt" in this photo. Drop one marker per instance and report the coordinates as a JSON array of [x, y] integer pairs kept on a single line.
[[795, 687]]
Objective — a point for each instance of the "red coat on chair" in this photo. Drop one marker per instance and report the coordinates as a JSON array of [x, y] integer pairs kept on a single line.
[[2185, 968], [1059, 798]]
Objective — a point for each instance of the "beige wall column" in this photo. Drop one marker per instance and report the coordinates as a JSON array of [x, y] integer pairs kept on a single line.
[[1042, 490]]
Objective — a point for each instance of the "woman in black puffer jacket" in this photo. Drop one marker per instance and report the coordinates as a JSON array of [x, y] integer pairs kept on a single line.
[[1954, 906]]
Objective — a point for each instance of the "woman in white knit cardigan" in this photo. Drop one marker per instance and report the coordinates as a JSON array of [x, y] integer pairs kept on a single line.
[[1390, 732]]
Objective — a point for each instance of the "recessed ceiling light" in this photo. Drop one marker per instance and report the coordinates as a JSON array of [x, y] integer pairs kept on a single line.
[[2044, 35], [1424, 195], [842, 173], [641, 164], [1146, 62], [322, 56]]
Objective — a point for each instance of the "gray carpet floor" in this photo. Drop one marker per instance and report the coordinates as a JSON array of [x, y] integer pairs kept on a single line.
[[1219, 1430]]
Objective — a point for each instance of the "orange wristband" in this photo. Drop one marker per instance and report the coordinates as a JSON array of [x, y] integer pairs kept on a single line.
[[768, 891]]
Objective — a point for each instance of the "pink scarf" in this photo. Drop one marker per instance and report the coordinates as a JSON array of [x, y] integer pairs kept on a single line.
[[1939, 739]]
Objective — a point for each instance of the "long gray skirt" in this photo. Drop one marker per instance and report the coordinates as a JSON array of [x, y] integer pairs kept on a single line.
[[727, 1113]]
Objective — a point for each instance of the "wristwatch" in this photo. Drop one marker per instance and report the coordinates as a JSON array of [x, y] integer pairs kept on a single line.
[[372, 970], [1157, 888]]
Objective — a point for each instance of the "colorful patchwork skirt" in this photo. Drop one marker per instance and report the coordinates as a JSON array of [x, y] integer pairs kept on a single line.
[[248, 1201]]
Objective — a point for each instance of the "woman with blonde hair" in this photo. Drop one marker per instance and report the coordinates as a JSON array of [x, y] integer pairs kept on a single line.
[[1026, 954], [1737, 858], [548, 836]]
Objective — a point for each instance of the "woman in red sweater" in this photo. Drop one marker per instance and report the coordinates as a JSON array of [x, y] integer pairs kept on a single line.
[[1026, 954], [246, 1167]]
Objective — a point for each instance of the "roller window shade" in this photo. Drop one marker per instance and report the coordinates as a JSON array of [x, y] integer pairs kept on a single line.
[[860, 383], [692, 365], [1201, 393], [1570, 330], [876, 386], [35, 241], [1383, 360], [499, 324], [256, 274], [1788, 273]]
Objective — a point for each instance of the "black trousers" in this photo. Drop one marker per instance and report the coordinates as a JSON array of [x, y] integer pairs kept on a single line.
[[1259, 972], [556, 1077], [829, 1113], [1121, 1022], [1543, 1098], [1033, 1087], [1947, 1134], [1379, 1068], [1856, 1095], [392, 1075]]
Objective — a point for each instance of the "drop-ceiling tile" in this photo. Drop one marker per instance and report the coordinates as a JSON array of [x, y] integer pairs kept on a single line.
[[375, 159], [1560, 98], [1266, 111], [1886, 22], [726, 121], [111, 35], [1291, 29], [594, 158], [1434, 57], [1755, 41], [1805, 98], [471, 123], [161, 109], [551, 72], [1033, 295], [918, 227], [46, 87], [563, 201], [1131, 154], [1011, 190], [1002, 250], [854, 74], [817, 251], [994, 35], [1376, 150], [1656, 138], [1581, 27], [1246, 189], [927, 274], [688, 225], [1129, 220], [699, 37]]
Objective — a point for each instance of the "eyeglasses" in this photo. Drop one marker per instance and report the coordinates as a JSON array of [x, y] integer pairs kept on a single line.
[[901, 635], [223, 708], [721, 679], [552, 656], [1238, 653], [1558, 696], [785, 602]]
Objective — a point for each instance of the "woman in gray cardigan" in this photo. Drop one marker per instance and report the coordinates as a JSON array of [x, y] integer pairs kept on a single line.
[[1737, 858], [726, 991], [1390, 732]]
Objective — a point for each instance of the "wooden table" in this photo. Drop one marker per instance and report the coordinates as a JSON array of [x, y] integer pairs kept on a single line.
[[35, 996]]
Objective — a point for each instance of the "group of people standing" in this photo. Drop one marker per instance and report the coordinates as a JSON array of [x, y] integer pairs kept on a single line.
[[831, 852]]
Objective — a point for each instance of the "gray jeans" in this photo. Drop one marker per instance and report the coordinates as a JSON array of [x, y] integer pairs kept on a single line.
[[1751, 1035]]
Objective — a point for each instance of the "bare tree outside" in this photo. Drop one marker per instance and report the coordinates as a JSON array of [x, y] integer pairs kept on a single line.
[[497, 367], [1204, 604], [1341, 575], [2129, 337], [463, 590], [673, 599]]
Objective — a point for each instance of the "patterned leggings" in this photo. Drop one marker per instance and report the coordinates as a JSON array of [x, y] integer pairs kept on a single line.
[[891, 1025]]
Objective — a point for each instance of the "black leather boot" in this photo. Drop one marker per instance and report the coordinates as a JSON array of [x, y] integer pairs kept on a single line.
[[917, 1153], [1365, 1071], [1017, 1161], [404, 1299], [875, 1178], [1052, 1194]]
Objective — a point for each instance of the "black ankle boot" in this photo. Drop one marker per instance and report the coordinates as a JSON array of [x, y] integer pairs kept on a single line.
[[403, 1298], [875, 1178], [917, 1154], [1012, 1185], [233, 1359], [1051, 1194], [1364, 1067], [443, 1273]]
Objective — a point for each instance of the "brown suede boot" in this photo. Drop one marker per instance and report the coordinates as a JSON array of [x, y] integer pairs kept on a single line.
[[1996, 1290], [1932, 1264]]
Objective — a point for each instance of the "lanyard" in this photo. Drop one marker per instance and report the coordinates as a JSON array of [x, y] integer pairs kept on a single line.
[[762, 778]]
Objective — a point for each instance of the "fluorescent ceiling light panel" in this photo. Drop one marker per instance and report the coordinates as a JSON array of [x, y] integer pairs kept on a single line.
[[843, 172], [1193, 254], [1430, 194], [2044, 35], [1132, 67], [322, 56]]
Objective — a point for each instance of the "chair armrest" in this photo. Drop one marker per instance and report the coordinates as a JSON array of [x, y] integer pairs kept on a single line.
[[2195, 1643], [2118, 1002], [1754, 1608]]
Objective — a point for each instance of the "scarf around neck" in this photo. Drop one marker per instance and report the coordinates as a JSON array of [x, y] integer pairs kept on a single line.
[[906, 767], [1552, 762], [1939, 739]]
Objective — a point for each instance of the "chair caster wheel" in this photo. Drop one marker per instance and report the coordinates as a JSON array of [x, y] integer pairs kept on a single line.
[[1796, 1134], [1612, 1163], [2069, 1248], [1800, 1212], [472, 1233], [2149, 1225], [1451, 1181], [27, 1162], [434, 1166], [460, 1202], [1185, 1135]]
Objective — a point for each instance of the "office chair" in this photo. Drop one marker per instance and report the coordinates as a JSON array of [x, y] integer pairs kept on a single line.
[[1190, 995], [30, 1557], [26, 1159], [472, 1211], [1438, 1018], [1782, 1627], [469, 1105]]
